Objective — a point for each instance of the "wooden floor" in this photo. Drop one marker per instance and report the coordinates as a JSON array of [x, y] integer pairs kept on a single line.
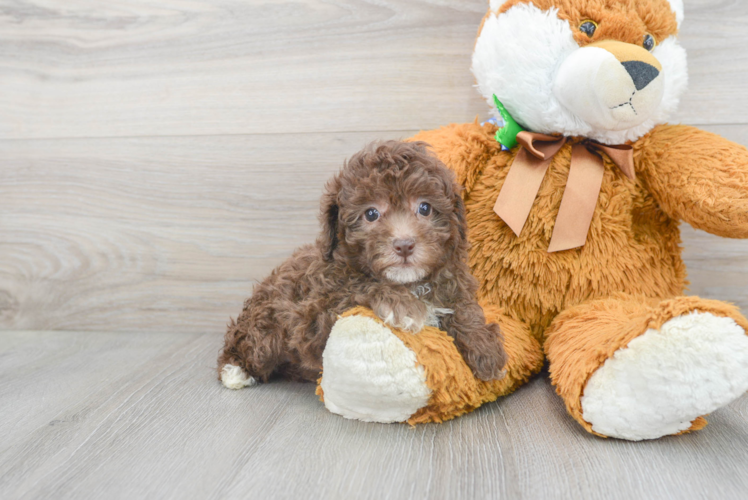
[[157, 158], [112, 415]]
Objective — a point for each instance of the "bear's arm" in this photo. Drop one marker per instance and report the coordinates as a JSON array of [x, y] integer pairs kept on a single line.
[[698, 177], [465, 148]]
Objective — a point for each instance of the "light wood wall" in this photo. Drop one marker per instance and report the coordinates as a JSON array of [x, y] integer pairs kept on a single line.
[[156, 158]]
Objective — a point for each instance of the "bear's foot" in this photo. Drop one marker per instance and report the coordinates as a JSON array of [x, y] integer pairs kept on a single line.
[[668, 377], [636, 368], [369, 374], [376, 373]]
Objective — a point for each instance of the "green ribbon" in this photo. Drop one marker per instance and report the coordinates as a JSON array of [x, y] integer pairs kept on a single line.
[[507, 135]]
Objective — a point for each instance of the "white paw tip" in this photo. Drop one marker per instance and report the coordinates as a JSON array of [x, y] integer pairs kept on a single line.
[[666, 378], [234, 377]]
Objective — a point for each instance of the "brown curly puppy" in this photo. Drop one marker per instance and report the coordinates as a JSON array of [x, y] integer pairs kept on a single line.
[[393, 240]]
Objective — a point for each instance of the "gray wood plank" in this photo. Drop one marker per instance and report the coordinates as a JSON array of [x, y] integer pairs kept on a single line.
[[717, 267], [145, 234], [159, 234], [170, 233], [97, 414], [198, 67]]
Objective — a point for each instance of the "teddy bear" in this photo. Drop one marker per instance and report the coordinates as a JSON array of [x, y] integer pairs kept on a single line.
[[573, 207]]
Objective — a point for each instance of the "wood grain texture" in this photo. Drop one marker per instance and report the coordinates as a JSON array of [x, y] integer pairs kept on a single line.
[[107, 415], [199, 67], [150, 230], [156, 158], [170, 233], [154, 234]]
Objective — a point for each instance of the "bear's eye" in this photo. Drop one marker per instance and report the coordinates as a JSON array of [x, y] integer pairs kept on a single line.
[[371, 214], [424, 209], [649, 42], [588, 28]]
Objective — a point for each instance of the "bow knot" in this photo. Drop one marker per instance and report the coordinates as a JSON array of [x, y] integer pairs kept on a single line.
[[582, 187]]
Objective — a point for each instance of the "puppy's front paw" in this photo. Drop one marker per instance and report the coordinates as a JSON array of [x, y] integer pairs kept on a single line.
[[487, 359], [233, 377], [412, 325], [403, 316], [486, 367]]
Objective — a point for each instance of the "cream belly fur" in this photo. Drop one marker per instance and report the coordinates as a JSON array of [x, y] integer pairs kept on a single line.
[[666, 378], [369, 374]]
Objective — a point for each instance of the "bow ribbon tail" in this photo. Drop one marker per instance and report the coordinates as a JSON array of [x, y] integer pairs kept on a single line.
[[622, 155], [582, 190], [579, 200], [524, 178]]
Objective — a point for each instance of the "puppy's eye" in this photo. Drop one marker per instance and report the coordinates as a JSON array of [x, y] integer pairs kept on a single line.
[[424, 209], [371, 214], [649, 42], [588, 28]]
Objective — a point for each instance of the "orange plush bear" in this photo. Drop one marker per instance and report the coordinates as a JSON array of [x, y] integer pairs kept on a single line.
[[574, 229]]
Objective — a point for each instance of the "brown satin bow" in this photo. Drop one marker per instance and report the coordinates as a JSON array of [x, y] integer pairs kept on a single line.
[[582, 187]]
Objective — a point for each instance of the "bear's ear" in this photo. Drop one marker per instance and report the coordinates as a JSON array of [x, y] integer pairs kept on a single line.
[[495, 5], [677, 7], [328, 218]]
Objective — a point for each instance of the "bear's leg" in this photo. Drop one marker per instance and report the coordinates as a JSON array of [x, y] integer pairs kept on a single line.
[[525, 356], [636, 368], [374, 373]]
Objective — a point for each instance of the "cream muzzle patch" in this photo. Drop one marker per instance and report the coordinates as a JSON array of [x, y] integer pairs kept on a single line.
[[611, 85]]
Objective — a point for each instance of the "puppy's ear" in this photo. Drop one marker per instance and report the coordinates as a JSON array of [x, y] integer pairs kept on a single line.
[[460, 217], [328, 218]]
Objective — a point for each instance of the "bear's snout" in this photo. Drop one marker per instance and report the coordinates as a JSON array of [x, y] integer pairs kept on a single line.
[[611, 85]]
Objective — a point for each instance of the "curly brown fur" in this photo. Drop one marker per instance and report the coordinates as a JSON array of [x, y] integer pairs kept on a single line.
[[407, 261]]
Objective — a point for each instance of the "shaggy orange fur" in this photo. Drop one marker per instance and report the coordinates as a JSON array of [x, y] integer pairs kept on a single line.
[[578, 307], [455, 391], [632, 256], [617, 20], [614, 19], [583, 337]]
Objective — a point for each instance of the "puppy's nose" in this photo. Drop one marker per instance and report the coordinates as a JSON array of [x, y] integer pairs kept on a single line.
[[404, 247]]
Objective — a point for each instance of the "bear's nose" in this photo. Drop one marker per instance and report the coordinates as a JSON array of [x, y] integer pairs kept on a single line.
[[641, 72], [404, 247]]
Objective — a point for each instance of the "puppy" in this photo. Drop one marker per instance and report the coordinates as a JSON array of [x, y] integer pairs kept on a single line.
[[394, 240]]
